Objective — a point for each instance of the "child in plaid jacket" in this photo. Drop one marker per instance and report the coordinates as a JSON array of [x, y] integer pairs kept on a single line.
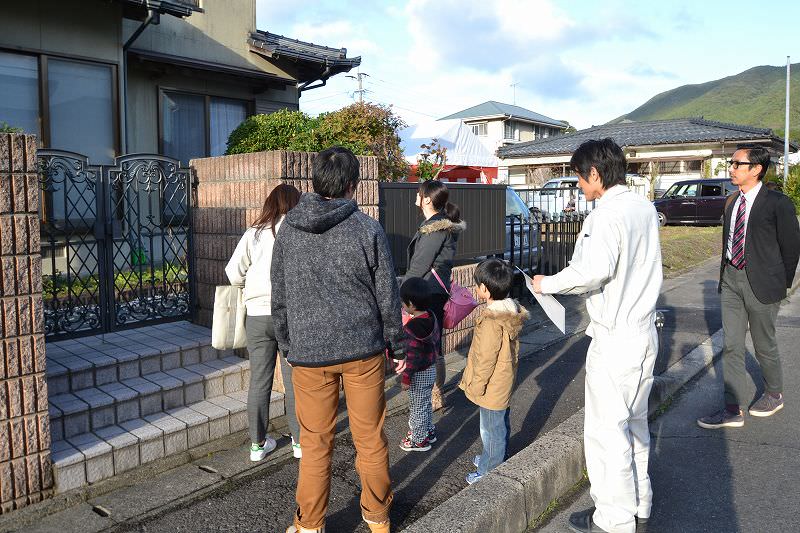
[[421, 344]]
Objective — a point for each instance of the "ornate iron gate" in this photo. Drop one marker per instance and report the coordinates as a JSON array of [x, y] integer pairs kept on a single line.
[[116, 242]]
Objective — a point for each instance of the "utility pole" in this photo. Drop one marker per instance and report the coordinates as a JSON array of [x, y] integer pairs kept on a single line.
[[786, 132], [359, 77], [514, 87]]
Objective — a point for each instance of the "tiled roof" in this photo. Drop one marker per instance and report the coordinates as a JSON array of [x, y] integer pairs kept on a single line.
[[492, 108], [649, 133], [277, 46], [178, 8]]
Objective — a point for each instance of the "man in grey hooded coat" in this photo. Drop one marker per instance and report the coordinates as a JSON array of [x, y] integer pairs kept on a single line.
[[336, 308]]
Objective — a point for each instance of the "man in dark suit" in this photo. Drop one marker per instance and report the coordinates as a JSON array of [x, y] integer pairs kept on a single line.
[[761, 246]]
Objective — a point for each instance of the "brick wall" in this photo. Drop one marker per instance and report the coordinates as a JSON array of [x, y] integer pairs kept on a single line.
[[25, 467], [230, 192]]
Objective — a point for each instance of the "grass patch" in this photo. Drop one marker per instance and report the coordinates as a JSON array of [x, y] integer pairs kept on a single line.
[[556, 503], [664, 407], [683, 247]]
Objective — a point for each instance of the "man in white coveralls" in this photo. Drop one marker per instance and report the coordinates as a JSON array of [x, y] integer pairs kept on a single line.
[[617, 261]]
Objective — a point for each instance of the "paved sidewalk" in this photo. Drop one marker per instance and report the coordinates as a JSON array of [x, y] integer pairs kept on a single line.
[[731, 480]]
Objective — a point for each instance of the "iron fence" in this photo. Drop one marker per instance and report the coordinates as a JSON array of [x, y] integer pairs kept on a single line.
[[558, 235], [116, 242], [556, 200]]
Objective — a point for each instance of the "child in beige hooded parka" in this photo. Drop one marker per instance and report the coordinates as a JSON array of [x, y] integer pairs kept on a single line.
[[491, 369]]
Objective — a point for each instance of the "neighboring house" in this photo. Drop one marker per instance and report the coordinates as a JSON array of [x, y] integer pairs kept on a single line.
[[497, 124], [672, 150], [175, 77]]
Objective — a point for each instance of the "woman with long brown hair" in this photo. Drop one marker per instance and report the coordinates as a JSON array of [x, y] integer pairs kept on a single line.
[[250, 266], [432, 249]]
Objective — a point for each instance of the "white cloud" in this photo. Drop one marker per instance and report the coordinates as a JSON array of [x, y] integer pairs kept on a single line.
[[336, 34], [483, 34]]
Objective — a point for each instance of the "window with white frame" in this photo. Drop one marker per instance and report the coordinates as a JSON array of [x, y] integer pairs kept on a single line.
[[509, 130], [479, 129]]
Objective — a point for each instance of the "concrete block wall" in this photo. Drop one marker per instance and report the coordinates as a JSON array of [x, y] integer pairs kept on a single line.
[[25, 464]]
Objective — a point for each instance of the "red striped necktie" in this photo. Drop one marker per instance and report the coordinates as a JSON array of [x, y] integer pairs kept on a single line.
[[737, 245]]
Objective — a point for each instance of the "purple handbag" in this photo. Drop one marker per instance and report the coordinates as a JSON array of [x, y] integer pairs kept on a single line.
[[459, 304]]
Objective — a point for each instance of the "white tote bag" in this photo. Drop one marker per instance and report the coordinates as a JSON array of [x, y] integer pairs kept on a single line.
[[227, 328]]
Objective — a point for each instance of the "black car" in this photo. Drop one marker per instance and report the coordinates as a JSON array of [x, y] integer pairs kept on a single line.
[[694, 202]]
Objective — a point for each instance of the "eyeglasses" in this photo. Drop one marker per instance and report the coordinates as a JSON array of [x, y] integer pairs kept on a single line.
[[737, 164]]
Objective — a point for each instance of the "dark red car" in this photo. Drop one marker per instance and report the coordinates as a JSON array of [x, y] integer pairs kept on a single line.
[[694, 202]]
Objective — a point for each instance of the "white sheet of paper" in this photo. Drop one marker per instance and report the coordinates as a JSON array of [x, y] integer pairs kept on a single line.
[[554, 310]]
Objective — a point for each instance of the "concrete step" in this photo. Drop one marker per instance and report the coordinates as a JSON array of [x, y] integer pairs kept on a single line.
[[90, 457], [91, 362], [114, 403]]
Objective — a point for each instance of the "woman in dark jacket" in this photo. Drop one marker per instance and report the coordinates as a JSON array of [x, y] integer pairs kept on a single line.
[[434, 247]]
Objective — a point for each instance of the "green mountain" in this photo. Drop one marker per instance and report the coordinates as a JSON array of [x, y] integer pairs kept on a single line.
[[755, 97]]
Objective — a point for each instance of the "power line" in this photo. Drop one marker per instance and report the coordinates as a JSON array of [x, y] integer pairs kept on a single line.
[[404, 90], [395, 99], [302, 101], [407, 109]]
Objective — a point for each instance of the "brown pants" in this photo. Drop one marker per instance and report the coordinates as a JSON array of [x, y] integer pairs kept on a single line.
[[316, 399]]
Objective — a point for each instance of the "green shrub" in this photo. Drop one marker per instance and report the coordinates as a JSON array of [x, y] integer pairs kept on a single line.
[[282, 130], [792, 186], [366, 129], [5, 128]]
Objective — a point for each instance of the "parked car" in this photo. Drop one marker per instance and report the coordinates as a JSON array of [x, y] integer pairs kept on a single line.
[[700, 201], [560, 195], [521, 232]]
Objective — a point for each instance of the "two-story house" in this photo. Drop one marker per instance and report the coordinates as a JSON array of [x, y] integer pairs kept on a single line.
[[497, 124], [110, 77]]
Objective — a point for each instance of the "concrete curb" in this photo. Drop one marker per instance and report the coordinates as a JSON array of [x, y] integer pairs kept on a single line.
[[517, 492]]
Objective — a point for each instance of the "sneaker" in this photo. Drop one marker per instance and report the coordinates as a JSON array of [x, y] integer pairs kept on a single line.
[[475, 460], [722, 419], [472, 477], [378, 527], [258, 452], [296, 451], [409, 445], [431, 436], [767, 405]]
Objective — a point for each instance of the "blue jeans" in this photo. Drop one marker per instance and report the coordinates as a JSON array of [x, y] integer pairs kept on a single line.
[[495, 432]]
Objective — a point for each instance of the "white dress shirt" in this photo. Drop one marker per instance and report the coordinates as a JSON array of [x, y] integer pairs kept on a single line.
[[750, 197]]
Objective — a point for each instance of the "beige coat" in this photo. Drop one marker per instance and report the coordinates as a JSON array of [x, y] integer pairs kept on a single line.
[[493, 356]]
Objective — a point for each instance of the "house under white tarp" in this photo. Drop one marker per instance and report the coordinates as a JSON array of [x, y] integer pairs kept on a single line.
[[467, 159]]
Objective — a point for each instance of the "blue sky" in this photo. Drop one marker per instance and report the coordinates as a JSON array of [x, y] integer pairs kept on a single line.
[[583, 61]]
